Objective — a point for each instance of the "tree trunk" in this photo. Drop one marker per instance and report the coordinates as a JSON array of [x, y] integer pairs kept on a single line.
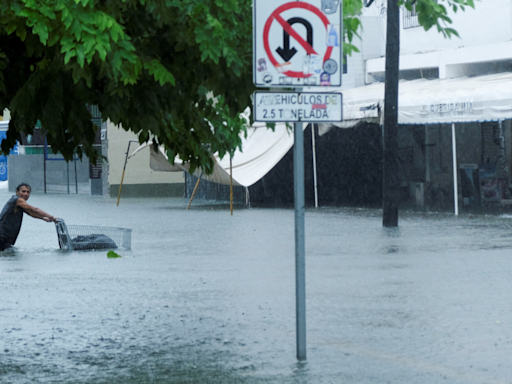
[[390, 130]]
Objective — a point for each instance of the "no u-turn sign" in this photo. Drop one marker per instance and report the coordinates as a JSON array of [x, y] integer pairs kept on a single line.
[[297, 43]]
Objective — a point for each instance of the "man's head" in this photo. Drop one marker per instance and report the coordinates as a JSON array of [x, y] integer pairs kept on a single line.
[[23, 190]]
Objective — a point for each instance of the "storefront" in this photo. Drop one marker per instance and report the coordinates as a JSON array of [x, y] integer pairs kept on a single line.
[[467, 119]]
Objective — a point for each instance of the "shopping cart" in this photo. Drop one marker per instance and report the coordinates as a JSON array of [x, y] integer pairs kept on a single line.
[[87, 238]]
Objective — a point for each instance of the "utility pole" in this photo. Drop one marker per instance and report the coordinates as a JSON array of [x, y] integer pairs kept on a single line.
[[390, 130]]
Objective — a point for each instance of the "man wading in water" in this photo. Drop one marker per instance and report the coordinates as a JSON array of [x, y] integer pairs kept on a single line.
[[12, 215]]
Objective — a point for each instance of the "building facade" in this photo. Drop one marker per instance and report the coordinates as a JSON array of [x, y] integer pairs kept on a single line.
[[482, 158], [139, 179]]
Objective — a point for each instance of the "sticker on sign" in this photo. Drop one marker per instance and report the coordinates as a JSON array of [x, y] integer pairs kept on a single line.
[[298, 106], [297, 43]]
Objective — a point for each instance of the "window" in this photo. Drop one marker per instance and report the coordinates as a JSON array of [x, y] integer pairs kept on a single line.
[[410, 18]]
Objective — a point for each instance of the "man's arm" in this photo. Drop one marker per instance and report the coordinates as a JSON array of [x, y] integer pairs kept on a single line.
[[34, 212]]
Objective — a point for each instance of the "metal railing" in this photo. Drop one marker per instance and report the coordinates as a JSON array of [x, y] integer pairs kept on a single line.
[[410, 18]]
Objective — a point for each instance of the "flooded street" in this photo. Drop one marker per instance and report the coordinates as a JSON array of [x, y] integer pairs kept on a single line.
[[205, 297]]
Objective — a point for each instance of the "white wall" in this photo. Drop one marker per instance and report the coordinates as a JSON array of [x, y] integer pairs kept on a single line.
[[372, 44], [484, 46], [6, 115], [489, 23], [137, 168]]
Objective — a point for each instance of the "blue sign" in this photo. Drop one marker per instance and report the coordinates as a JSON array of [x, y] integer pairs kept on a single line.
[[3, 158]]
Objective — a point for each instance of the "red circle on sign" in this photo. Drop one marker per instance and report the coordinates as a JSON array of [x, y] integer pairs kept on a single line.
[[276, 15]]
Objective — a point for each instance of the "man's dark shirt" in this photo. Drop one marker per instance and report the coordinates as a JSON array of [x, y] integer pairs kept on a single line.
[[10, 223]]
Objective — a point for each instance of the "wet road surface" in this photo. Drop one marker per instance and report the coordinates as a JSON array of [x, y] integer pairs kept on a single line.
[[205, 297]]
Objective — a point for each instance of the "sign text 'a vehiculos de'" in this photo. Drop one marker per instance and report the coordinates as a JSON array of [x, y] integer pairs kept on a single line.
[[297, 106]]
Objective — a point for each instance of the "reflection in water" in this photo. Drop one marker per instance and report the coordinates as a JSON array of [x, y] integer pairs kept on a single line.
[[205, 297], [391, 249], [9, 253]]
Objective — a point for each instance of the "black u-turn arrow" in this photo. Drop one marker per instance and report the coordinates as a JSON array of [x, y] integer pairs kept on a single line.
[[286, 53]]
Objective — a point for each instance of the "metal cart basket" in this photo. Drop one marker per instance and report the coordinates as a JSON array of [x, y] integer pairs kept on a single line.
[[85, 238]]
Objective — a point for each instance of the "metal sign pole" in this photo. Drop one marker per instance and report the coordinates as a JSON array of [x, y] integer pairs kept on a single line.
[[314, 163], [300, 253], [287, 56], [454, 160], [76, 176], [67, 171], [44, 162]]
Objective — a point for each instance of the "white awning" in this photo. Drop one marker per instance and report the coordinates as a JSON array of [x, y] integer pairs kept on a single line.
[[440, 101], [262, 150]]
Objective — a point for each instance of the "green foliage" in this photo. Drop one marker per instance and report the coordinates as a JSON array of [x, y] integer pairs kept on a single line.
[[434, 13], [148, 65], [112, 255], [351, 23], [177, 72]]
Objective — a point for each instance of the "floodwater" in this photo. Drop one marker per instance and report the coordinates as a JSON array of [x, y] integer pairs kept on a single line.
[[205, 297]]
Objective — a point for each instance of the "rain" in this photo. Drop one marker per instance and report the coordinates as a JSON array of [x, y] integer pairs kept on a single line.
[[204, 293], [203, 296]]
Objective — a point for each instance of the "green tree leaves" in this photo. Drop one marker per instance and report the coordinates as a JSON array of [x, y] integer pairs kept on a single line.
[[142, 63], [351, 23], [434, 13]]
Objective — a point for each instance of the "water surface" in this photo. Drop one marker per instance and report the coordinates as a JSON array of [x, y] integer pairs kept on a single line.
[[208, 297]]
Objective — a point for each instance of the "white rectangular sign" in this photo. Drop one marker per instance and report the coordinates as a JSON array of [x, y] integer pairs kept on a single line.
[[297, 43], [298, 106]]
